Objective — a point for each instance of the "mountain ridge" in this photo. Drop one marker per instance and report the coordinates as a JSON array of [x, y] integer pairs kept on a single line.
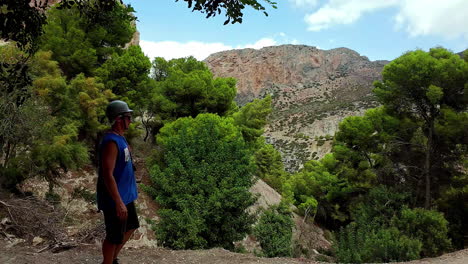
[[312, 91]]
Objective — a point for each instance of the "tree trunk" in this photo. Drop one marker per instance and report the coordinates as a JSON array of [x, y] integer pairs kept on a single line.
[[427, 166], [7, 154]]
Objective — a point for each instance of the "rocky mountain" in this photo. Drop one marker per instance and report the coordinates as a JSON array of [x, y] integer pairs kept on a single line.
[[312, 91]]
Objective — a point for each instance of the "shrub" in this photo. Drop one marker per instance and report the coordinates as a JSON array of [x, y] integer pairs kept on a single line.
[[388, 245], [274, 232], [358, 244], [429, 227], [202, 181], [379, 206], [10, 177]]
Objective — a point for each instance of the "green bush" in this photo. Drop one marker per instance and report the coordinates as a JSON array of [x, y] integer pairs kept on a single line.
[[202, 180], [270, 166], [388, 245], [379, 206], [429, 227], [274, 232], [358, 244], [10, 177]]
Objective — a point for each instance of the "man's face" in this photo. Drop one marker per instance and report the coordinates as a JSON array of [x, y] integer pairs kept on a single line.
[[126, 120]]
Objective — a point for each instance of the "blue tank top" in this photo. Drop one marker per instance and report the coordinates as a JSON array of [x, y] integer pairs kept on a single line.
[[123, 174]]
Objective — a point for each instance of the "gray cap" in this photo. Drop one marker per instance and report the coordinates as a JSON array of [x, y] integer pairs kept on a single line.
[[116, 108]]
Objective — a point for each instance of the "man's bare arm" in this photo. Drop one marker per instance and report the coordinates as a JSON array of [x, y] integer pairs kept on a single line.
[[109, 157]]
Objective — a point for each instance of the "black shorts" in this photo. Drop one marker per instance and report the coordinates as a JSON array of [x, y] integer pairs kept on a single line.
[[115, 228]]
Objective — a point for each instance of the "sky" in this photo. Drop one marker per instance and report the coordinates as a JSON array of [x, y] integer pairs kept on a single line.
[[378, 29]]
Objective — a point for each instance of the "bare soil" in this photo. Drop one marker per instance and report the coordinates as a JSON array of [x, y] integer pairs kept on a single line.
[[20, 254], [91, 254]]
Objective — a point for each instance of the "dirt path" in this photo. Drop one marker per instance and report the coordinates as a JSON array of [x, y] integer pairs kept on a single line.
[[91, 254]]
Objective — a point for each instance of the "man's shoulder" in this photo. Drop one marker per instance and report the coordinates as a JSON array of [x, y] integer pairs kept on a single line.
[[118, 140]]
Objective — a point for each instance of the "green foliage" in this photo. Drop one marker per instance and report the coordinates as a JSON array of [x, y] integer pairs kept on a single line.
[[57, 150], [234, 9], [359, 145], [50, 126], [126, 75], [270, 166], [362, 245], [274, 232], [22, 22], [83, 100], [208, 159], [64, 36], [19, 128], [427, 226], [20, 116], [385, 229], [186, 87], [426, 91], [10, 176], [453, 202], [379, 206], [47, 134], [316, 189], [408, 80], [252, 118], [80, 46], [309, 207]]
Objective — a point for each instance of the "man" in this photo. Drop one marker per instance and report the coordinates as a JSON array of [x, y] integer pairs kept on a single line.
[[116, 187]]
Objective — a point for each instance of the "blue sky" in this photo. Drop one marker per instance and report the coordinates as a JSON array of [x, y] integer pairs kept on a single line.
[[378, 29]]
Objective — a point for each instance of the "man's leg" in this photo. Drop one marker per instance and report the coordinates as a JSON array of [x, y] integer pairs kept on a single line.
[[115, 233], [108, 251], [131, 225], [127, 235]]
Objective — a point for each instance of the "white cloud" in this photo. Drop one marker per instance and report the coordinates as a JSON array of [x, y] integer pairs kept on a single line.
[[264, 42], [343, 12], [446, 18], [304, 3], [200, 50], [171, 49]]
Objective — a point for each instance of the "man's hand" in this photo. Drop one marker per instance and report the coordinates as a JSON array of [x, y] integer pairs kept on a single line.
[[121, 211]]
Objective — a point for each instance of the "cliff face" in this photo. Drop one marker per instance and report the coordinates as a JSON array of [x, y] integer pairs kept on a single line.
[[312, 91]]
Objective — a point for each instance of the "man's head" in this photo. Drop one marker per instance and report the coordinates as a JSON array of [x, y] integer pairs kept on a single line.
[[118, 112]]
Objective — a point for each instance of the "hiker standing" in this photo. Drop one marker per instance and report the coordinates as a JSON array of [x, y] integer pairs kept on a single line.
[[116, 187]]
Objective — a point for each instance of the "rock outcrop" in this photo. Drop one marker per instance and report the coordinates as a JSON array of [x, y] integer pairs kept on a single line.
[[312, 91]]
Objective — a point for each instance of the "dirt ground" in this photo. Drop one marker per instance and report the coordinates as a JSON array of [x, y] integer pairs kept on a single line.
[[90, 254]]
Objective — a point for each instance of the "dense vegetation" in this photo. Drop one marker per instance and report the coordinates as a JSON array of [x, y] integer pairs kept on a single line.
[[386, 186], [393, 188]]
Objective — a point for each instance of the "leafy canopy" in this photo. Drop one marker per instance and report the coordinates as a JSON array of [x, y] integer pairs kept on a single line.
[[80, 46]]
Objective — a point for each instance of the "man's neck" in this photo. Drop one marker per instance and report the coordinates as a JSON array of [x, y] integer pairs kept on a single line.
[[117, 131]]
